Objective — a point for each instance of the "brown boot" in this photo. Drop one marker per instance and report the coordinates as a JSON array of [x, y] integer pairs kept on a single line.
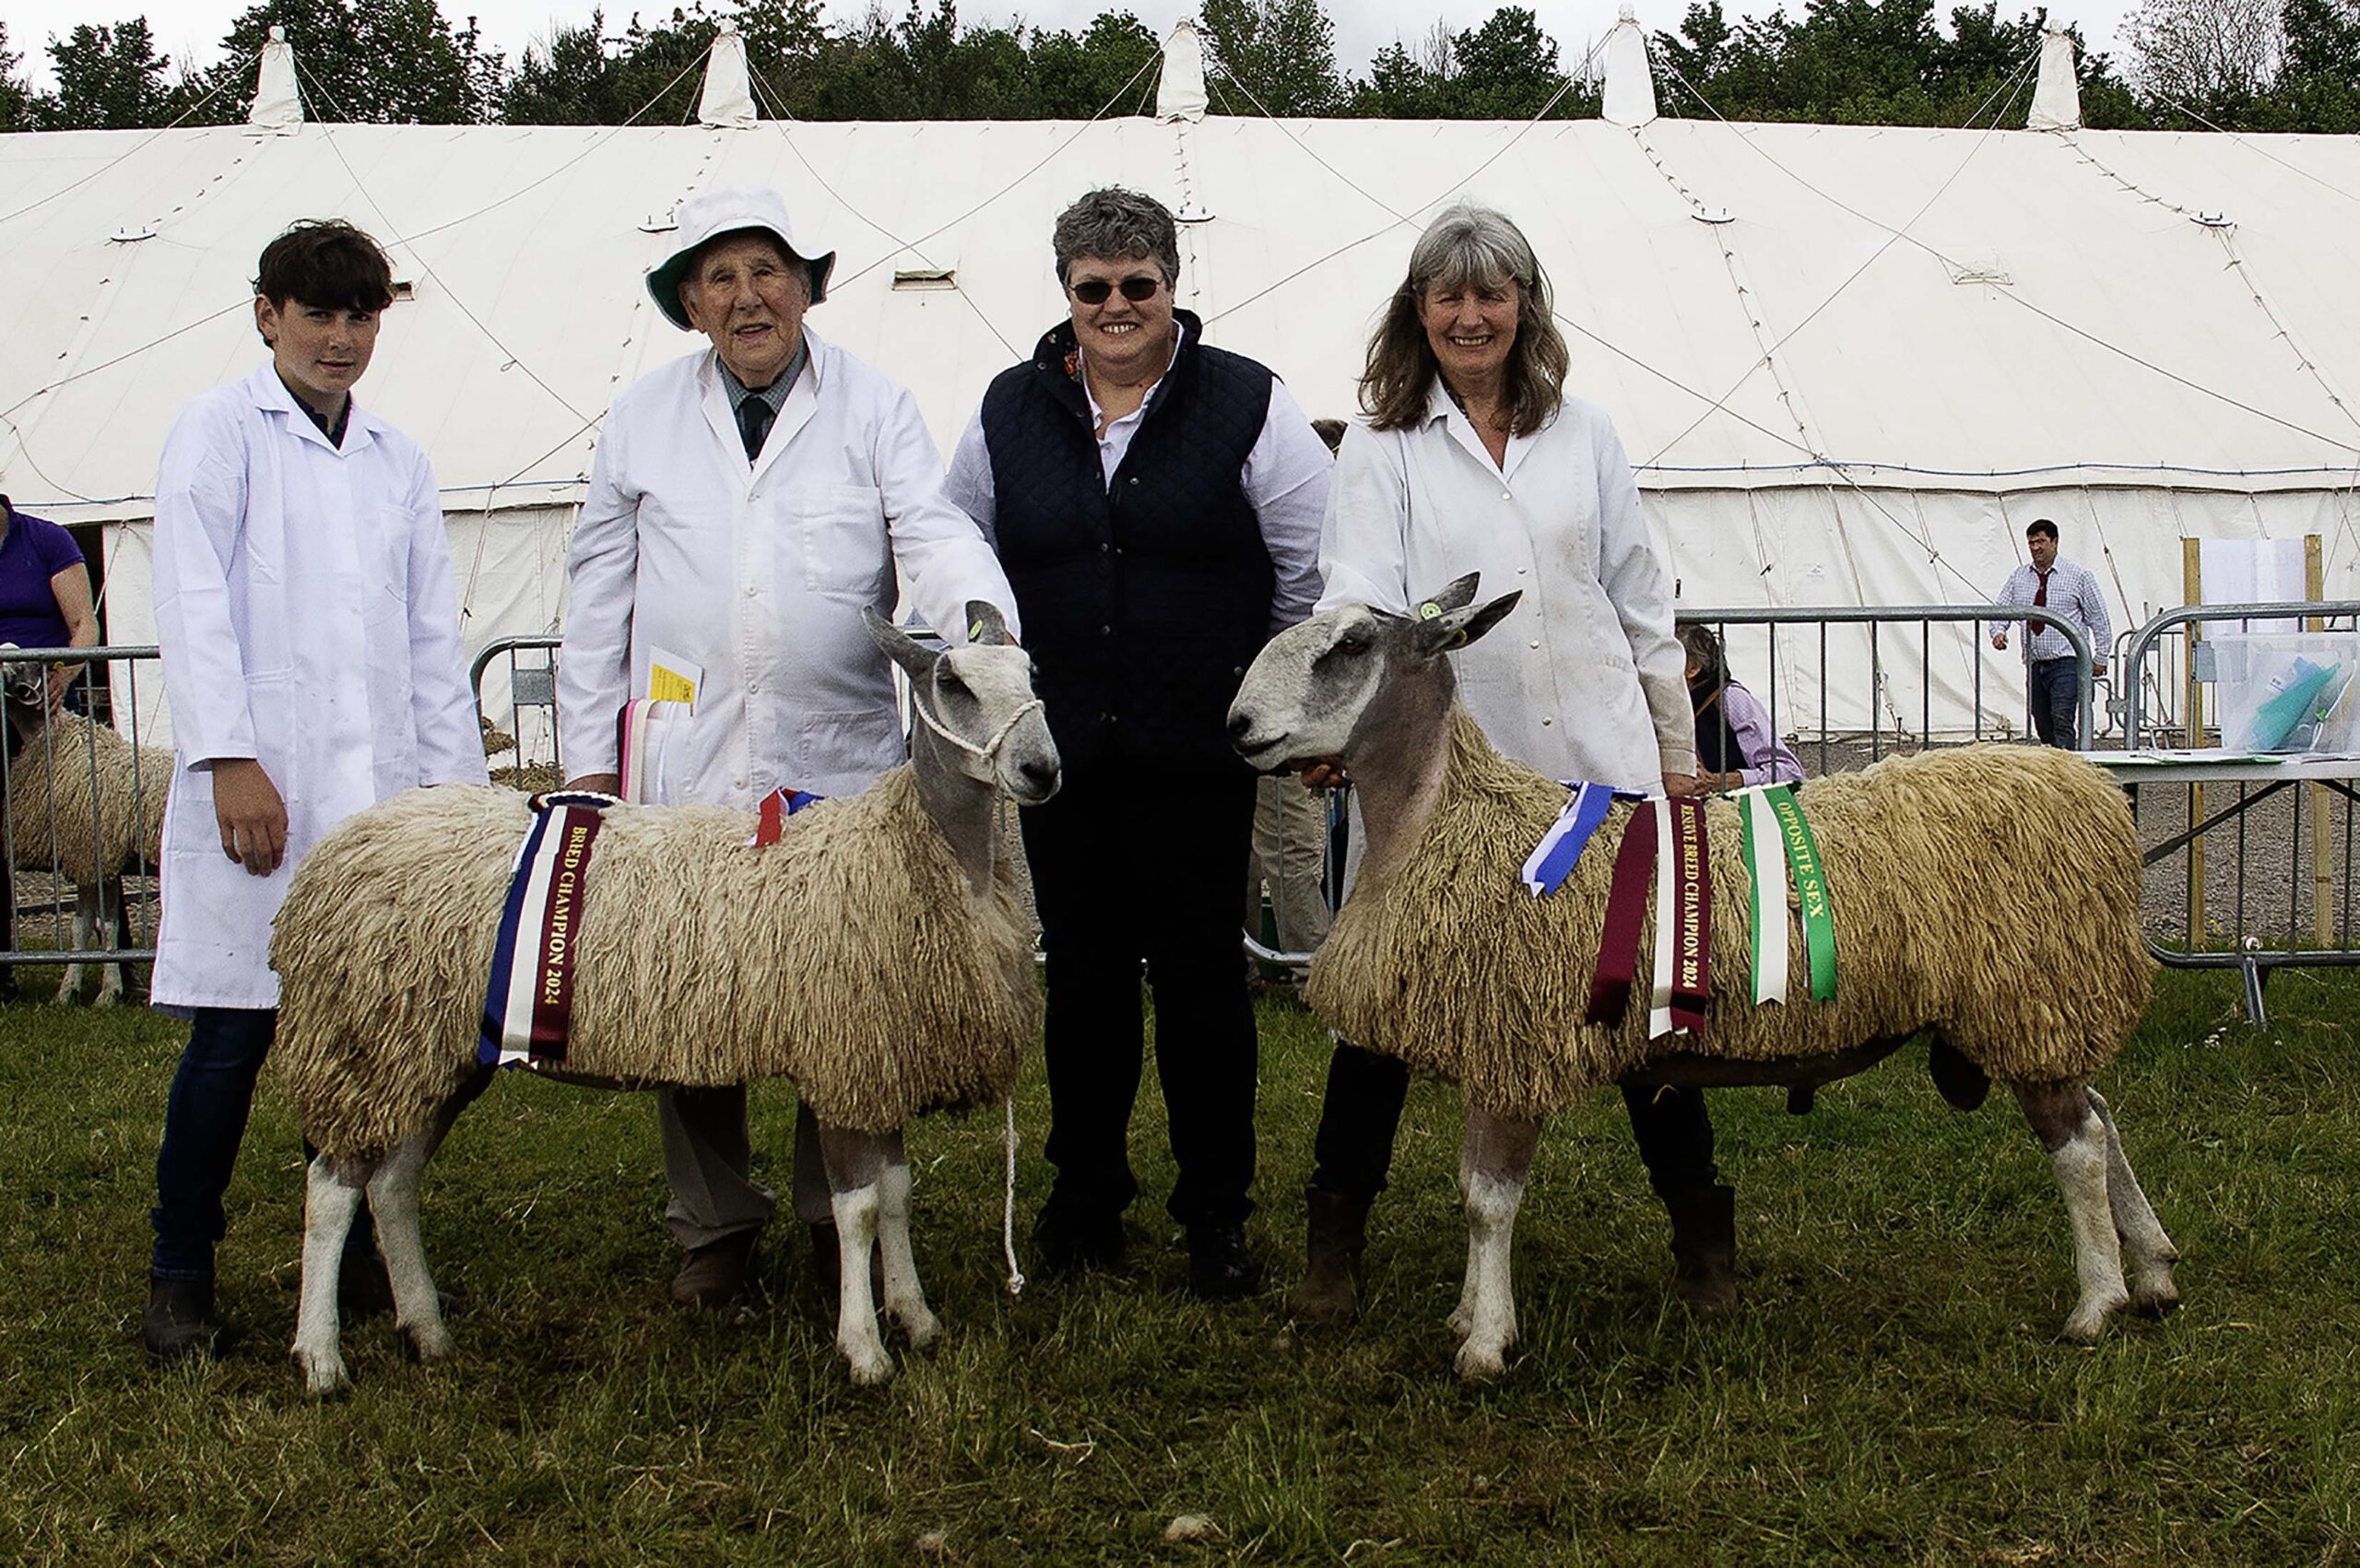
[[1703, 1250], [713, 1275], [1334, 1240]]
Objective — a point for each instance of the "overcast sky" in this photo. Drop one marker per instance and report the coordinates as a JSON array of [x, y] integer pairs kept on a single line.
[[192, 30]]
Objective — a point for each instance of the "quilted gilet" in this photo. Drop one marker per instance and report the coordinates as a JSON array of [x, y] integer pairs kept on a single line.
[[1142, 601]]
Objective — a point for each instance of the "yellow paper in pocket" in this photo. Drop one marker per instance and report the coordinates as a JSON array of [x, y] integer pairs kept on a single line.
[[671, 679]]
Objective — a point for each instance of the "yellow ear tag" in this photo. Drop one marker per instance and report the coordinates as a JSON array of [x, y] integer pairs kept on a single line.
[[1429, 610], [976, 632]]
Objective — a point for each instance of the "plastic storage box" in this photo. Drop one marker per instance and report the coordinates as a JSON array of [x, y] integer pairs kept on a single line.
[[2288, 690]]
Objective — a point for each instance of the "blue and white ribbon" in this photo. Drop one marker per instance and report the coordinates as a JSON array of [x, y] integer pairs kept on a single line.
[[1560, 850]]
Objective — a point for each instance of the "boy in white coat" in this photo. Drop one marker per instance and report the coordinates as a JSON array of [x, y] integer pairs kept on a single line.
[[311, 649]]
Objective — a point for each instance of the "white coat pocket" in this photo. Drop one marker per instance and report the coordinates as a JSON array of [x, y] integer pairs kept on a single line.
[[840, 532]]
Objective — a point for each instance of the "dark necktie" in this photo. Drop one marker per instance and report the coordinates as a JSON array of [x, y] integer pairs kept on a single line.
[[2040, 601], [754, 416]]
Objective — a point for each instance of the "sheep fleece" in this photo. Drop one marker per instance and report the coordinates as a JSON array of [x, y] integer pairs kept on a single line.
[[851, 957], [51, 809], [1988, 892]]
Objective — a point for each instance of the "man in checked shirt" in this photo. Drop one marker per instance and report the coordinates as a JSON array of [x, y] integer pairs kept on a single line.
[[2073, 594]]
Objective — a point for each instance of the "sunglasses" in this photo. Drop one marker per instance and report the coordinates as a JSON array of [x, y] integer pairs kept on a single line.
[[1093, 290]]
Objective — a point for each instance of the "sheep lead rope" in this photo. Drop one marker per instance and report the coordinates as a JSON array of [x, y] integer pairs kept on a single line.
[[990, 750], [1008, 1206]]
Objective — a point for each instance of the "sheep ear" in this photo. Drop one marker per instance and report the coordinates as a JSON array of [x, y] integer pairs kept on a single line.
[[984, 626], [1457, 594], [898, 645], [1449, 629]]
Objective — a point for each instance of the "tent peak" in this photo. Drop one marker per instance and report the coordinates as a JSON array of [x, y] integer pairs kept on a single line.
[[1630, 97], [2057, 97], [1180, 93], [728, 101], [277, 108]]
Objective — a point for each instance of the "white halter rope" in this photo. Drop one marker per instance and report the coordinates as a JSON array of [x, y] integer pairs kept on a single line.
[[989, 751]]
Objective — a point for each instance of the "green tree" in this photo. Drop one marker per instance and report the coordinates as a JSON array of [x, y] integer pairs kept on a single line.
[[381, 62], [1075, 75], [1507, 68], [1280, 53], [16, 98], [2319, 87], [109, 78]]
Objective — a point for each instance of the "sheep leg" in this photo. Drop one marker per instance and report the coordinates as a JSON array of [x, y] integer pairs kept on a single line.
[[85, 910], [905, 1298], [856, 1165], [331, 1198], [2147, 1249], [2074, 1135], [392, 1200], [1494, 1162]]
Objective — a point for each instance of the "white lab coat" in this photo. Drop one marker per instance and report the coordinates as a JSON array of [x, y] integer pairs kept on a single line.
[[304, 605], [1584, 680], [758, 574]]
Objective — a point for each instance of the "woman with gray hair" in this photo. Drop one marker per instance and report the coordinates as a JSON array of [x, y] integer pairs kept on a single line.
[[1156, 504], [1472, 458]]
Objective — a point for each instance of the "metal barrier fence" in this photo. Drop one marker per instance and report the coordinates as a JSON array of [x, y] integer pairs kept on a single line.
[[82, 805], [523, 670], [2266, 926]]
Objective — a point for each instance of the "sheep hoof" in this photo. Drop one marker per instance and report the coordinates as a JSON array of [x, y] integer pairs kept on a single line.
[[2156, 1297], [323, 1371], [869, 1365], [1478, 1363], [106, 998], [427, 1341], [922, 1326], [1462, 1321], [2087, 1325]]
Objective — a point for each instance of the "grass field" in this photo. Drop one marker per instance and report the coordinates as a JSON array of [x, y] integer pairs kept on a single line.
[[1890, 1391]]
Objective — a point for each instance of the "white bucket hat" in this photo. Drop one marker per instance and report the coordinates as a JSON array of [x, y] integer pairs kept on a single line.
[[730, 210]]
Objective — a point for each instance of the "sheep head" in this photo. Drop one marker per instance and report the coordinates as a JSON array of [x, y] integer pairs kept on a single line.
[[24, 694], [1318, 688], [978, 701]]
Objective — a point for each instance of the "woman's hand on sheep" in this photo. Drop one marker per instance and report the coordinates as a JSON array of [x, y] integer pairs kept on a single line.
[[1678, 785], [600, 783], [252, 816]]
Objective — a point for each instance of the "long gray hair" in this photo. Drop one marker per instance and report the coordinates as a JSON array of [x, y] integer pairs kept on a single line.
[[1467, 246]]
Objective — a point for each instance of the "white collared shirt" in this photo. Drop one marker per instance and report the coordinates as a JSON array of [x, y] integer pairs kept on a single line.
[[1584, 680]]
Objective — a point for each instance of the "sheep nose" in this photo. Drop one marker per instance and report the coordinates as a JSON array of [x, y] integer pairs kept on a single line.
[[1041, 772], [1241, 725]]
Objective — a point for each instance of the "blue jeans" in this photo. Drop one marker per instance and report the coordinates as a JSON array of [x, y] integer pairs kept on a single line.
[[2054, 689], [205, 1120]]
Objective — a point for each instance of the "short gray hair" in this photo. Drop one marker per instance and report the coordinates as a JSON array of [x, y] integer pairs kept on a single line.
[[1114, 224]]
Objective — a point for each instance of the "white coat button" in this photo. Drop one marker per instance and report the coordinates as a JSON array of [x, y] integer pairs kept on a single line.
[[1545, 723], [1520, 570], [753, 688], [749, 593], [1536, 642], [741, 782], [1505, 496]]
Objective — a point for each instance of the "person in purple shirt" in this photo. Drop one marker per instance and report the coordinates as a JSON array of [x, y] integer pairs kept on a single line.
[[1735, 745], [44, 603]]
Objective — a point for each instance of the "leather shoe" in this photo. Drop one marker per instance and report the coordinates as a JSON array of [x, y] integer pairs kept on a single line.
[[713, 1275], [178, 1325], [1068, 1237], [1221, 1267]]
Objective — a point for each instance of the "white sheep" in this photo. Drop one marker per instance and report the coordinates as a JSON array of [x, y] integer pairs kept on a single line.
[[874, 954], [1985, 894], [85, 805]]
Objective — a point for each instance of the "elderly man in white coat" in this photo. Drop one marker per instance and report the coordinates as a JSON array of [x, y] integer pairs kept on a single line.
[[748, 501], [311, 649]]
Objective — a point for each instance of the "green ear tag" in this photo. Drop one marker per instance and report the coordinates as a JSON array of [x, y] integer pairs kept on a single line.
[[1429, 610], [976, 632]]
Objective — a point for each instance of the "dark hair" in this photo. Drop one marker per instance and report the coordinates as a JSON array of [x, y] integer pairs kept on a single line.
[[326, 263], [1114, 224], [1330, 430], [1705, 649], [1466, 246], [2041, 525]]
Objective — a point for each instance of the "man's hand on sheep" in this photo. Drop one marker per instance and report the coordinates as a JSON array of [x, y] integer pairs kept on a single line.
[[1323, 773], [252, 816], [1678, 785]]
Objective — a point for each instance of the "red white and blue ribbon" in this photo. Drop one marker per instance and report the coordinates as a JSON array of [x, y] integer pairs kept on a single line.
[[528, 1004], [776, 807], [1560, 849]]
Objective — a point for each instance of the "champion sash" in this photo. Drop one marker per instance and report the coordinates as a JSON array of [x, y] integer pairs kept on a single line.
[[1683, 920], [1765, 865], [645, 729], [1560, 849], [1811, 889], [1626, 907], [528, 1004], [776, 807]]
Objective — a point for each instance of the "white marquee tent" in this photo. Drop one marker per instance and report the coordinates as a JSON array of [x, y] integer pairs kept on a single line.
[[1851, 363]]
